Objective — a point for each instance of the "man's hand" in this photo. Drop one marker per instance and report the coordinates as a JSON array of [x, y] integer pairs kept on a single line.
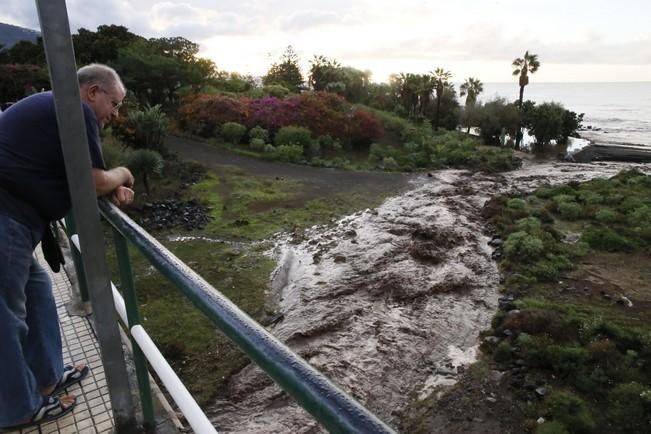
[[106, 181], [122, 196]]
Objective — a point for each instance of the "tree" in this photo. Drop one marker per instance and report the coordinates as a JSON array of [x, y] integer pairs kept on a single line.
[[470, 88], [103, 45], [26, 53], [18, 81], [528, 64], [323, 71], [286, 73], [524, 66], [441, 81]]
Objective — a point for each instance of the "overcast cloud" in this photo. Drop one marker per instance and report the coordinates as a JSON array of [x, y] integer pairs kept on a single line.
[[599, 39]]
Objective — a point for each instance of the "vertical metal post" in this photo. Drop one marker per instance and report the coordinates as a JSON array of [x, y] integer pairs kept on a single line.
[[55, 29], [129, 292], [76, 258]]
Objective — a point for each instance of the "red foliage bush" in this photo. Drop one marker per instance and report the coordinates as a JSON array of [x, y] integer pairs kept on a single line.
[[202, 114], [364, 129], [321, 112]]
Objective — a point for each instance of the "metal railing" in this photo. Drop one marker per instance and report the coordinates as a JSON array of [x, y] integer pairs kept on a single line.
[[328, 404]]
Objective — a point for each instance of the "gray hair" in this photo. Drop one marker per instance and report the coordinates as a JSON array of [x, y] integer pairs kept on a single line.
[[102, 75]]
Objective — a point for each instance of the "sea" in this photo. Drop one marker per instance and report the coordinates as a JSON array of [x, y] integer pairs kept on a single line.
[[614, 113]]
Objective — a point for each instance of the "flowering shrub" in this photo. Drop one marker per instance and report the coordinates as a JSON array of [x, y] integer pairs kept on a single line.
[[364, 129], [203, 114], [322, 113]]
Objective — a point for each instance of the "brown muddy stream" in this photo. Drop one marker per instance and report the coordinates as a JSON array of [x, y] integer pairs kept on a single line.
[[388, 303]]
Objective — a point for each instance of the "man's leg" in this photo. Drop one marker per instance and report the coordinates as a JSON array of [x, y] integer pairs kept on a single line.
[[42, 347], [19, 397]]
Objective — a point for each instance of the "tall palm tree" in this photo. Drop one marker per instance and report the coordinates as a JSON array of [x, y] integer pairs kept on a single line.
[[471, 87], [442, 81], [524, 66]]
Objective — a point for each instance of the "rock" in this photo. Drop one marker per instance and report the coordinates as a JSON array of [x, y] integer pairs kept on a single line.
[[540, 420], [340, 258], [625, 301], [540, 391], [492, 339], [491, 399], [507, 332]]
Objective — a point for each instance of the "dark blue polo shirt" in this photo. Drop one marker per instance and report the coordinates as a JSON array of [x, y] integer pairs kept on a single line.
[[33, 184]]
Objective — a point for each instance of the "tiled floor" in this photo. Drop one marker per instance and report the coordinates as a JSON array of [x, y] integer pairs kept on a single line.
[[92, 414]]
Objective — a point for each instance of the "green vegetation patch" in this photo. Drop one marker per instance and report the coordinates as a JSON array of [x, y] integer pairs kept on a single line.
[[593, 354]]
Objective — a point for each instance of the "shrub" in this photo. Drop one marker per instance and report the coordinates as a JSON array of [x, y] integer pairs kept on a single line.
[[549, 192], [496, 117], [627, 407], [551, 267], [523, 247], [606, 239], [389, 163], [528, 224], [293, 136], [571, 411], [276, 90], [640, 216], [143, 129], [516, 203], [376, 152], [202, 114], [232, 132], [364, 128], [606, 215], [289, 153], [570, 210], [257, 144], [326, 142], [503, 352], [258, 132], [145, 162], [552, 427], [269, 149]]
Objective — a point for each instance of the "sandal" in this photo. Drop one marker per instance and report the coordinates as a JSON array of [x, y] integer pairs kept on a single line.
[[71, 376], [51, 409]]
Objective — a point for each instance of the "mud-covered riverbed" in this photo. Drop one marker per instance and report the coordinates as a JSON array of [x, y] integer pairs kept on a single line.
[[389, 302]]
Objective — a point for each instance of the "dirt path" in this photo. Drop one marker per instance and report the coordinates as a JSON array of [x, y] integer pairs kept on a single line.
[[326, 181]]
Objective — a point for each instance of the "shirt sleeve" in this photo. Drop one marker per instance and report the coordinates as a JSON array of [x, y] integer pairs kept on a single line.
[[94, 141]]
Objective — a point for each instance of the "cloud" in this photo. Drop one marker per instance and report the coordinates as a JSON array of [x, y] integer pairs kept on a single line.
[[308, 20]]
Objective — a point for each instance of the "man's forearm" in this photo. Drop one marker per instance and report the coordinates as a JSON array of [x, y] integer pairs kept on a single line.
[[108, 180]]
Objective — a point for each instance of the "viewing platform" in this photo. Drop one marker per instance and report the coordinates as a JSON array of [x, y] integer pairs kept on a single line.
[[92, 413]]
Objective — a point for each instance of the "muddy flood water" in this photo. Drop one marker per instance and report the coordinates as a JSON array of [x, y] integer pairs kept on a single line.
[[388, 303]]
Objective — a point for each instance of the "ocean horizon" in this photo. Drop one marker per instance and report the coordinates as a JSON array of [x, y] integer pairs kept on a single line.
[[614, 112]]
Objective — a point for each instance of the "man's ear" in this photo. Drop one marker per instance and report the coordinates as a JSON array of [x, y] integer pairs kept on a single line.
[[90, 92]]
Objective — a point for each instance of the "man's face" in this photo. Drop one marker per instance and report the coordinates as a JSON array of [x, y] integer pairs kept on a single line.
[[105, 102]]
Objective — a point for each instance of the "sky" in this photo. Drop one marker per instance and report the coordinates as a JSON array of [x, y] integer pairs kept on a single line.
[[598, 40]]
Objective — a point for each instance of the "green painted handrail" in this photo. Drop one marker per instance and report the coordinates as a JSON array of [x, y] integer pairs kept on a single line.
[[333, 408]]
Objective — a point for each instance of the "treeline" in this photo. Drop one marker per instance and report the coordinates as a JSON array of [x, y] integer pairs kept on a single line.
[[166, 71]]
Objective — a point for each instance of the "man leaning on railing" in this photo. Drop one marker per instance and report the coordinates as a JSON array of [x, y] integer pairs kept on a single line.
[[34, 192]]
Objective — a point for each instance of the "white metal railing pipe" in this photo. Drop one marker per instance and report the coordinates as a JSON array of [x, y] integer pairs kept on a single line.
[[188, 406]]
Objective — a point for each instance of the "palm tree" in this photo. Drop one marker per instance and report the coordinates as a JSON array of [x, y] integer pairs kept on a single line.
[[441, 80], [471, 87], [523, 67]]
